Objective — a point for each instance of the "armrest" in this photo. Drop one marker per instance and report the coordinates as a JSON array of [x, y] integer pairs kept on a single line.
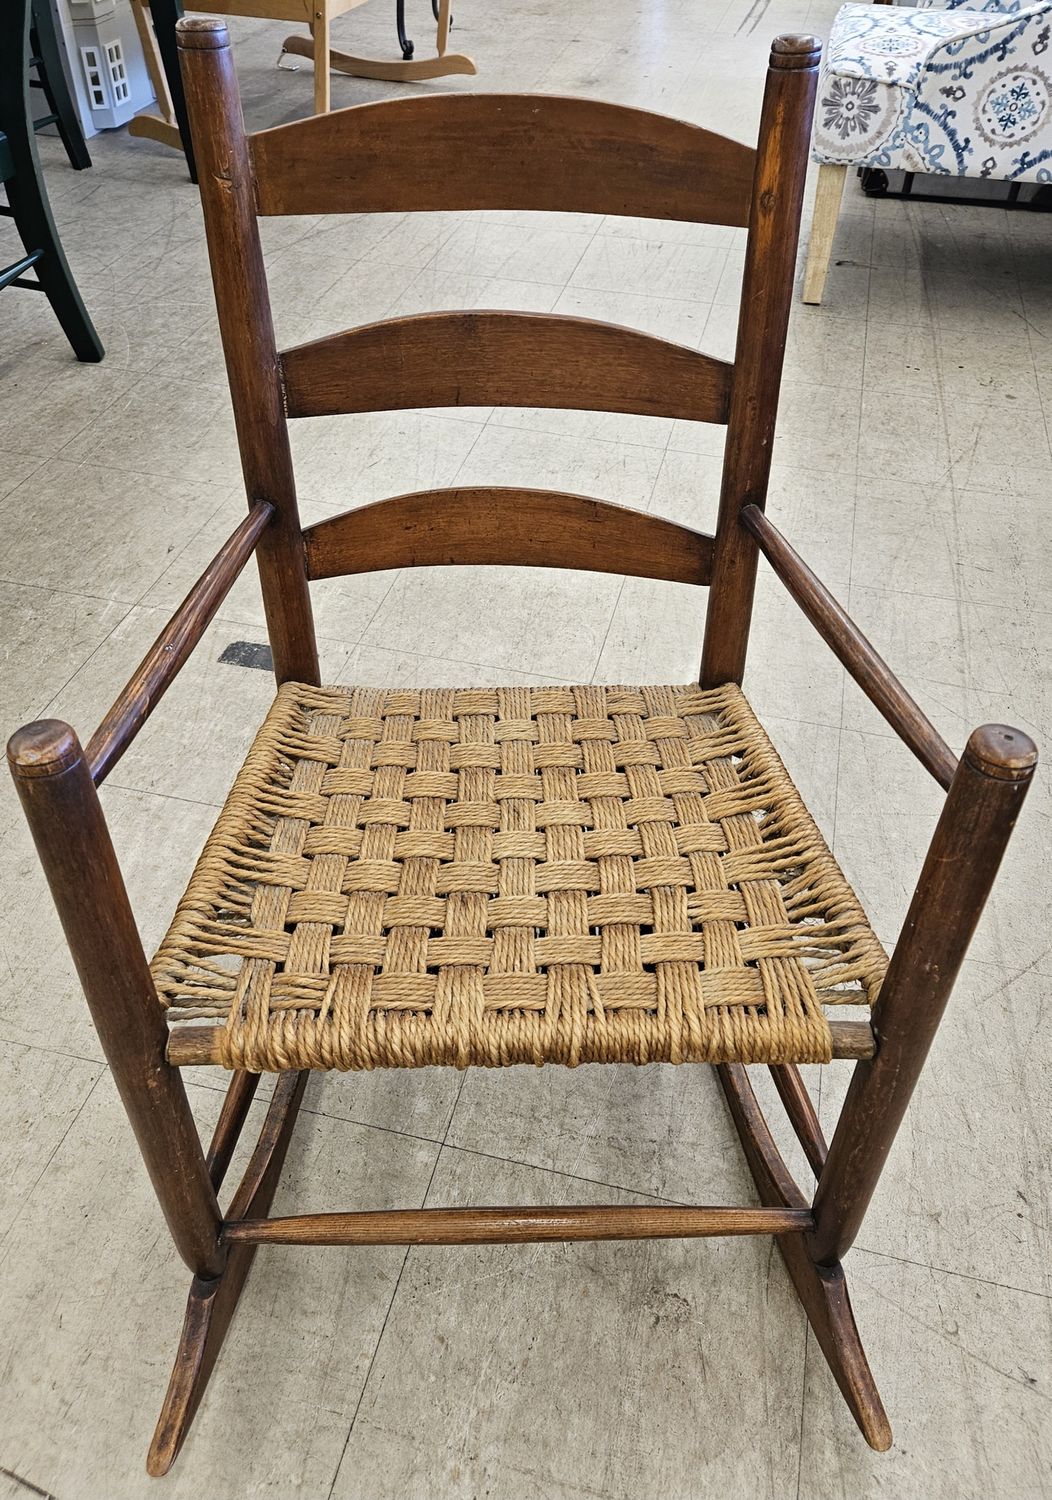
[[169, 653], [851, 648]]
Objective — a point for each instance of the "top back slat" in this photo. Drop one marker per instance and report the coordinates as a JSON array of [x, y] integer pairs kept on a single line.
[[502, 151]]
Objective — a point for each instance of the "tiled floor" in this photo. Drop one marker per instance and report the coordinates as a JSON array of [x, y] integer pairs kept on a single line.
[[913, 467]]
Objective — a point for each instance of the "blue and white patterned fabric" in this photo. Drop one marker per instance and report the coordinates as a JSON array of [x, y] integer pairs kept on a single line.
[[962, 92], [1006, 7]]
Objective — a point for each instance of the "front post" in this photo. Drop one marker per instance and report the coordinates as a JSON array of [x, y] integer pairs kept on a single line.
[[980, 811], [69, 829]]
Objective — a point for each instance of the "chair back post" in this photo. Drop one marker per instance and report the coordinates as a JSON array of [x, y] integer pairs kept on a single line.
[[767, 288], [73, 842], [246, 325], [970, 839]]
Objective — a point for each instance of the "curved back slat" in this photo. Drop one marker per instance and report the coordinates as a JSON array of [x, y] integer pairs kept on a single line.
[[501, 151], [503, 359], [516, 528], [465, 152]]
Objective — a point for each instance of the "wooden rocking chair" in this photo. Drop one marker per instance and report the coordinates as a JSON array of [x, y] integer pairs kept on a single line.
[[156, 21], [500, 876]]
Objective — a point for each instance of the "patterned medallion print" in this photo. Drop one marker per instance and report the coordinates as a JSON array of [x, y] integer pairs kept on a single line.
[[1013, 106], [850, 107], [957, 90], [852, 116]]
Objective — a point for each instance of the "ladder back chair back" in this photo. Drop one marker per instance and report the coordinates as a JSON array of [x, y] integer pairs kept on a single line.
[[493, 876]]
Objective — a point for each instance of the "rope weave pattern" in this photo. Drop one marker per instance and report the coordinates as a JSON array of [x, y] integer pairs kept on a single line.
[[515, 875]]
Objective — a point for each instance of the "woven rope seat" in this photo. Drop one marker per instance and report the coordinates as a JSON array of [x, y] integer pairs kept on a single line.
[[515, 875]]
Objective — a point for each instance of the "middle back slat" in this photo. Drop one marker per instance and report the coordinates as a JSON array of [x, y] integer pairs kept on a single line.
[[460, 152], [503, 359]]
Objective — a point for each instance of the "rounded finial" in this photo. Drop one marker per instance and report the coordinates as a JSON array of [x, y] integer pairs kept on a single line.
[[795, 51], [1000, 751], [201, 34], [43, 748]]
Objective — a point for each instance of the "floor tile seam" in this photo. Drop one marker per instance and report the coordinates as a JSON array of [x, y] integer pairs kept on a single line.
[[658, 297], [1015, 973], [177, 348], [664, 449], [100, 646], [149, 791], [51, 1156], [494, 421], [485, 666], [372, 1357], [48, 588], [151, 476], [985, 603], [95, 417], [172, 562], [609, 627], [851, 575], [456, 661], [444, 1144], [15, 452], [724, 243], [884, 731], [568, 284], [528, 280], [278, 258], [810, 466], [958, 595], [803, 1410], [38, 464], [613, 290], [949, 525], [127, 600], [1042, 399], [372, 618], [391, 1303], [398, 572], [35, 1046], [560, 1172], [556, 286], [923, 1265], [93, 461]]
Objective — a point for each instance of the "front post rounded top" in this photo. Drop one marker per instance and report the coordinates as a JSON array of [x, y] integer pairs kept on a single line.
[[795, 51], [44, 748], [1002, 752], [202, 34]]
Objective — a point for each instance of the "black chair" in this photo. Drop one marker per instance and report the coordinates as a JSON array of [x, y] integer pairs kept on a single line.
[[27, 200], [45, 60]]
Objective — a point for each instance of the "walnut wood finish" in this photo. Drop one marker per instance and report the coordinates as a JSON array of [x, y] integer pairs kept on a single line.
[[535, 528], [198, 1046], [503, 359], [984, 800], [73, 842], [398, 156], [168, 654], [822, 1291], [247, 329], [515, 1226], [850, 646], [457, 152], [212, 1303], [770, 259]]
